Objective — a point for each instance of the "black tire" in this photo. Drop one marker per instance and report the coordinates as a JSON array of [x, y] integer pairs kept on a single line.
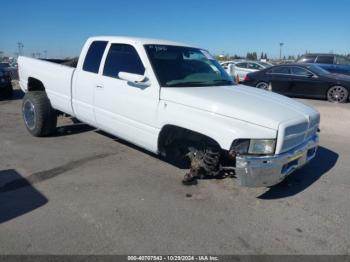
[[7, 91], [39, 117], [337, 94], [263, 86]]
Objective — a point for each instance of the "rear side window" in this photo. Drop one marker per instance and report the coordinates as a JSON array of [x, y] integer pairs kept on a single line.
[[323, 59], [280, 70], [122, 58], [94, 55], [254, 66], [342, 60], [242, 65]]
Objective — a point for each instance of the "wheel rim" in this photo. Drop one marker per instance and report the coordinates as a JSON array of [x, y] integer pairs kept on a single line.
[[337, 94], [264, 86], [29, 114]]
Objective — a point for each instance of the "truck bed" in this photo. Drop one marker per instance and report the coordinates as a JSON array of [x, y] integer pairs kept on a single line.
[[67, 62], [55, 76]]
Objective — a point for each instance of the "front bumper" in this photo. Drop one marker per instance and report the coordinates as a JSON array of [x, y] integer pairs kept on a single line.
[[265, 171]]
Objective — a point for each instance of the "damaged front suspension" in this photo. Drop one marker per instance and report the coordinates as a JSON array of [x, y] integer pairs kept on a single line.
[[206, 163]]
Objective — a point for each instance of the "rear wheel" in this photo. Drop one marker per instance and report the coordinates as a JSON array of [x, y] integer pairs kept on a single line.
[[38, 115], [263, 85], [337, 94]]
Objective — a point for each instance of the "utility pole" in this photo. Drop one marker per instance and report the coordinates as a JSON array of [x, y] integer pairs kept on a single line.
[[45, 54], [20, 48], [281, 44]]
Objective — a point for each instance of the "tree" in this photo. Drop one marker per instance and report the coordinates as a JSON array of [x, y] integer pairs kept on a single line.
[[262, 55], [265, 56], [235, 56], [284, 57], [252, 56]]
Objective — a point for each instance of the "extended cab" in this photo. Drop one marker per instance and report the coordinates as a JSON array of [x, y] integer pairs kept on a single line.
[[175, 100]]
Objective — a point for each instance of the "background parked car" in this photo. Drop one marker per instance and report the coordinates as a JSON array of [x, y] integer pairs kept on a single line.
[[302, 80], [239, 69], [5, 82], [11, 69], [331, 62]]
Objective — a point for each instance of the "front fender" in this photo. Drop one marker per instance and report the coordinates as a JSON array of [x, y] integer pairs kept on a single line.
[[224, 130]]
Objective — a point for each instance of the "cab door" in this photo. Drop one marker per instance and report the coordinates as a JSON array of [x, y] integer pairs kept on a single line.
[[123, 108], [306, 83], [280, 79], [85, 81]]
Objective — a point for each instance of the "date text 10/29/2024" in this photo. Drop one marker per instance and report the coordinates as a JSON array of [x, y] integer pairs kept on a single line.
[[173, 258]]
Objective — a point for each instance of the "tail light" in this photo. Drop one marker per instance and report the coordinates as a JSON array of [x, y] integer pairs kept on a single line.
[[247, 78]]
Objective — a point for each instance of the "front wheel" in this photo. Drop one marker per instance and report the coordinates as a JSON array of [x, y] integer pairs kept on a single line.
[[263, 85], [337, 94], [38, 115]]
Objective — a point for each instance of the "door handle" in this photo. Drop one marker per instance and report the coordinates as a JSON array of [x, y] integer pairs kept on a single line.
[[99, 86]]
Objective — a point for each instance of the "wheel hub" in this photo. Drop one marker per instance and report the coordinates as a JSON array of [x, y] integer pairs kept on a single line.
[[337, 94], [29, 114]]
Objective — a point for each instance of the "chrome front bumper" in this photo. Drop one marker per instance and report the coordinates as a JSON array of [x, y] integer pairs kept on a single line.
[[265, 171]]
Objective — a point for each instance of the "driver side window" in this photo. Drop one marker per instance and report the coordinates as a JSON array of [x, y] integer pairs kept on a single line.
[[122, 58]]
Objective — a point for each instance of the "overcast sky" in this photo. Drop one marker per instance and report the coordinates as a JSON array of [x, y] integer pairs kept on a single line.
[[234, 27]]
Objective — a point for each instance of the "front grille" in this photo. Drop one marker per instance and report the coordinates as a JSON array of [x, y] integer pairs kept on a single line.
[[296, 133], [295, 129]]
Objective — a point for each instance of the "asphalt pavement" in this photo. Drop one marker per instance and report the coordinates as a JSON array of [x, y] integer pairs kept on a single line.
[[85, 192]]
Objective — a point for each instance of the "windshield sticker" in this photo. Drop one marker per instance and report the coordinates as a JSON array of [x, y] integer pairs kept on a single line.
[[160, 48]]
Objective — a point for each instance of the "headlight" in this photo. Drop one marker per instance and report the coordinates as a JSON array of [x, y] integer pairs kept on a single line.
[[262, 146], [254, 146]]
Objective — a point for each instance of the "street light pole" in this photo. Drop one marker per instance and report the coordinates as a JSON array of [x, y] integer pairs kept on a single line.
[[281, 44]]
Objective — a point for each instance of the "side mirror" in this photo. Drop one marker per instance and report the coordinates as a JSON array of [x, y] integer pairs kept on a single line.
[[134, 78], [309, 75]]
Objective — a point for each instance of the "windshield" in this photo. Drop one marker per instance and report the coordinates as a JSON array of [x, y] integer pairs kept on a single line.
[[318, 70], [186, 66]]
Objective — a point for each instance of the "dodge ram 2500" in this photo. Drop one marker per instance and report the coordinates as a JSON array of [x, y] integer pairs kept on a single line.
[[174, 100]]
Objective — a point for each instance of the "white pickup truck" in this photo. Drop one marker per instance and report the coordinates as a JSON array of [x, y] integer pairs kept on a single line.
[[174, 100]]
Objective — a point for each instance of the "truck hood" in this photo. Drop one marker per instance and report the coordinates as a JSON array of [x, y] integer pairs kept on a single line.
[[241, 102]]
